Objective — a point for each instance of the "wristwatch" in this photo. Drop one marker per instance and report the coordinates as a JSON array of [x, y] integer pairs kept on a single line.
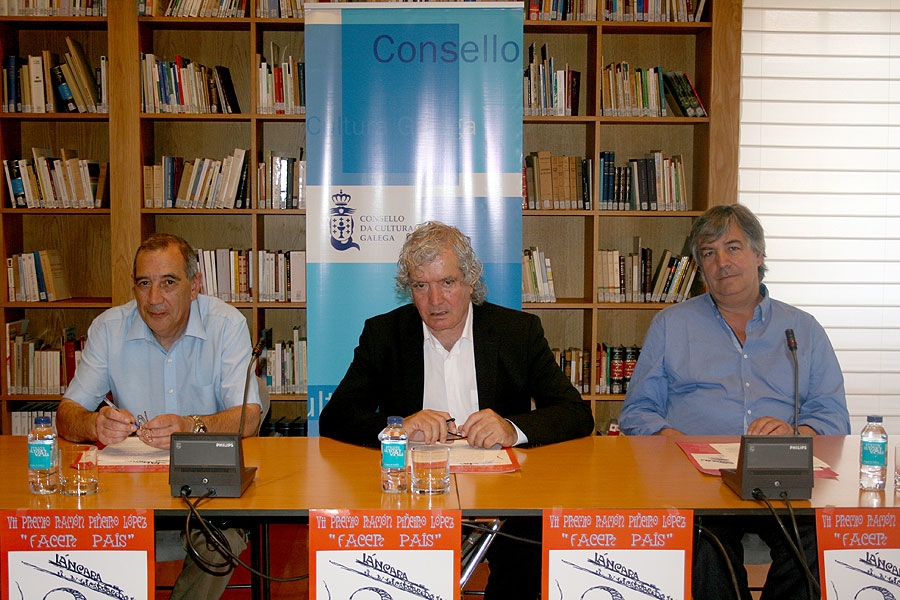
[[199, 425]]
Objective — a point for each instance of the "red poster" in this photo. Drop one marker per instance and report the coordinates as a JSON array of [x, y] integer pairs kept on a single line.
[[83, 554], [859, 551], [617, 553], [400, 554]]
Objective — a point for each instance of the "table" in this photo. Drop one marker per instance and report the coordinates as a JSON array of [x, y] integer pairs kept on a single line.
[[293, 476], [642, 473], [297, 474]]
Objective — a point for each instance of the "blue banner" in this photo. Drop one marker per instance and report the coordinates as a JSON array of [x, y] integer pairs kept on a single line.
[[413, 114]]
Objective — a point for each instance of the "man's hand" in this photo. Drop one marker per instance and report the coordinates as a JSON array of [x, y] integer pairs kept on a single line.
[[429, 426], [114, 425], [773, 426], [486, 429], [769, 426], [157, 431]]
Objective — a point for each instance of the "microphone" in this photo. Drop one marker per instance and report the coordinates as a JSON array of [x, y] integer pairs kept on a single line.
[[792, 346], [775, 465], [254, 357], [213, 463]]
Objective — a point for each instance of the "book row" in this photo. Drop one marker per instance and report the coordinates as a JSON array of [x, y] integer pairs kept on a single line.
[[628, 91], [53, 8], [659, 11], [547, 89], [182, 86], [222, 183], [38, 365], [557, 182], [283, 363], [223, 9], [631, 278], [653, 182], [38, 276], [23, 417], [42, 83], [537, 276], [47, 181], [615, 365], [576, 364], [282, 83], [229, 274]]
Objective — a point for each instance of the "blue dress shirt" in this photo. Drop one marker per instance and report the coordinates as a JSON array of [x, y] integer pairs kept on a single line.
[[203, 373], [693, 375]]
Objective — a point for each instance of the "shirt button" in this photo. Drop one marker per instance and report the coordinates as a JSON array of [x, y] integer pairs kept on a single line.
[[745, 356], [170, 391], [747, 384], [169, 360]]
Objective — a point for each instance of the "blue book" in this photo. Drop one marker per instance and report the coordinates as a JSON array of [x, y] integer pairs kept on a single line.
[[11, 66], [39, 274]]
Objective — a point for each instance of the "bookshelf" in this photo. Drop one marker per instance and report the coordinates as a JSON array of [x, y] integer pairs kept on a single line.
[[710, 52], [98, 245]]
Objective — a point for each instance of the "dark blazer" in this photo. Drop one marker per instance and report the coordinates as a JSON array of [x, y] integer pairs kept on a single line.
[[513, 365]]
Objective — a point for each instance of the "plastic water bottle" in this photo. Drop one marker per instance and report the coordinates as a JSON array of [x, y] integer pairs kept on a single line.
[[43, 459], [872, 454], [393, 456]]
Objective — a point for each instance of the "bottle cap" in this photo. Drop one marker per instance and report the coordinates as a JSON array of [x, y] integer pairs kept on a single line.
[[395, 421], [45, 420], [873, 419]]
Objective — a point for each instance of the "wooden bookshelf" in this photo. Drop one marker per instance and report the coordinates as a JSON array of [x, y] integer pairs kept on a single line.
[[98, 245], [710, 52]]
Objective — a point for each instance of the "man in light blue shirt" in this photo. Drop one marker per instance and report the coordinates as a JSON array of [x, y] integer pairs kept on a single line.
[[719, 364], [176, 356]]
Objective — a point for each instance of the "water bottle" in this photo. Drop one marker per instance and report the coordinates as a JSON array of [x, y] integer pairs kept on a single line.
[[43, 459], [393, 456], [872, 455]]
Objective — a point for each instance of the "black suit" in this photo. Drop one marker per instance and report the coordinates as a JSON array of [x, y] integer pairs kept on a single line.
[[513, 365]]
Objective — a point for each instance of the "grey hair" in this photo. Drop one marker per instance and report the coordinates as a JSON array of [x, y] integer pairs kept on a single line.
[[161, 241], [713, 224], [425, 243]]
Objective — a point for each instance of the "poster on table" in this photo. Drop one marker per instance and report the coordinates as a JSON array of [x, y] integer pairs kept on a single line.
[[77, 554], [397, 554], [859, 553], [414, 113], [604, 554]]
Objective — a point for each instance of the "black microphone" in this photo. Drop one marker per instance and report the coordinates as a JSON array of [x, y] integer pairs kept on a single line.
[[792, 346], [213, 463], [254, 357]]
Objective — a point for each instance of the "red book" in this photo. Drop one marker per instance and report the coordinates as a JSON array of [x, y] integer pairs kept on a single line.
[[278, 77]]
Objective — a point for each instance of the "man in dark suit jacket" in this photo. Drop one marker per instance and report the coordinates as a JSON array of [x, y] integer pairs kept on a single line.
[[453, 365], [513, 363]]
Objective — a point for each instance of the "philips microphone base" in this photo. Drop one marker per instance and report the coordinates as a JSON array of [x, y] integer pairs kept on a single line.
[[211, 463], [774, 465]]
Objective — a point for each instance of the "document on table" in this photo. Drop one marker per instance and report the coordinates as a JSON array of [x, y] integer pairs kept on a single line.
[[469, 459], [709, 458], [132, 455]]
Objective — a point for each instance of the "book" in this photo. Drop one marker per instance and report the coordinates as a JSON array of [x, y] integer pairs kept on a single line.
[[36, 81], [83, 73], [297, 277], [74, 90], [226, 90], [14, 183], [13, 90], [54, 273]]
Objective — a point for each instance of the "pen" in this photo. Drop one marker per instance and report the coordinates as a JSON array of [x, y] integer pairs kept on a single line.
[[116, 408]]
